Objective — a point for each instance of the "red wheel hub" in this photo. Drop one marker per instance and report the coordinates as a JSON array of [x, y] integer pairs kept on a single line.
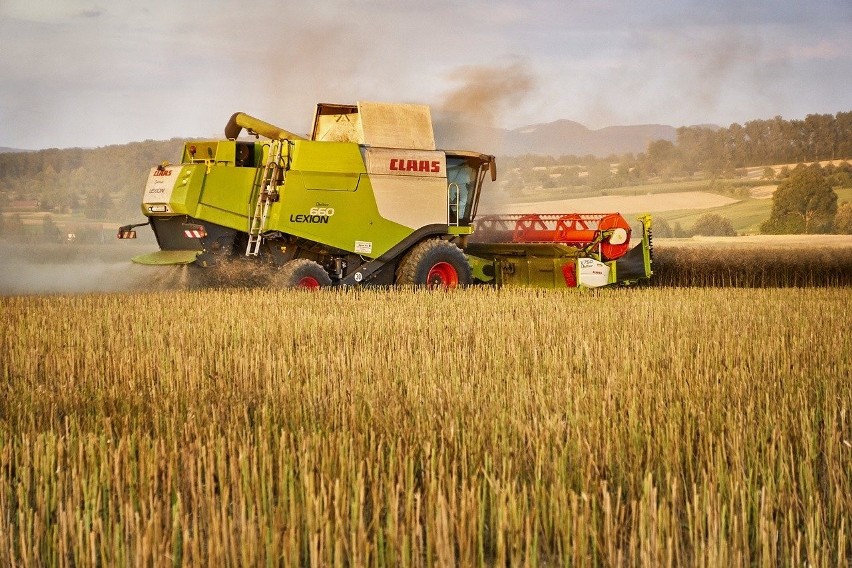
[[309, 282], [442, 275]]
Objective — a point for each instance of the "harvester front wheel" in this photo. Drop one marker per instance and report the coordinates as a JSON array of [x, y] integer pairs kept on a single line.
[[302, 273], [434, 263]]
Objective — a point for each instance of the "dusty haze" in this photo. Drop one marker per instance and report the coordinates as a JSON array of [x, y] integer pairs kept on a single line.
[[82, 74]]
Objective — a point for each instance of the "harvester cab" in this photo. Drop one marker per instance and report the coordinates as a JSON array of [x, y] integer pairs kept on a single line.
[[365, 198]]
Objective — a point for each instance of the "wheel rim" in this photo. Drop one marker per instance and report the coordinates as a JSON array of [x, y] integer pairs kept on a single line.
[[308, 282], [443, 275]]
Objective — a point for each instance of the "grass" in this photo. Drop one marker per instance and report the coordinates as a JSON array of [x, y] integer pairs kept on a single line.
[[658, 426], [746, 215]]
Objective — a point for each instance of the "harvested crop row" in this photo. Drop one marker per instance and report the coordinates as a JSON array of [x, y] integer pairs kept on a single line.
[[752, 267], [483, 427]]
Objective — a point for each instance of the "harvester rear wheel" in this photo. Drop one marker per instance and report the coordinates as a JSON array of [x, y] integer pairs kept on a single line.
[[434, 263], [302, 273]]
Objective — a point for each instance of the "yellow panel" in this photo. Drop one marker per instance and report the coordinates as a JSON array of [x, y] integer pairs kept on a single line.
[[411, 201], [391, 125]]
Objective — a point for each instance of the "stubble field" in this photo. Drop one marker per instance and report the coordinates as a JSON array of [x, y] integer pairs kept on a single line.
[[654, 427]]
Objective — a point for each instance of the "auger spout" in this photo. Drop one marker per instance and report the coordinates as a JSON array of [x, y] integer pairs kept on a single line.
[[240, 120]]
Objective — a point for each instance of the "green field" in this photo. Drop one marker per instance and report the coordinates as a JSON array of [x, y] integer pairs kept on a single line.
[[746, 215]]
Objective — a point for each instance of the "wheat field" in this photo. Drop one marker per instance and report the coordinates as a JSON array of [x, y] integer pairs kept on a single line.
[[637, 427]]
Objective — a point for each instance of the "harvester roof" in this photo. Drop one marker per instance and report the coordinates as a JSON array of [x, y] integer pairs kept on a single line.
[[383, 125]]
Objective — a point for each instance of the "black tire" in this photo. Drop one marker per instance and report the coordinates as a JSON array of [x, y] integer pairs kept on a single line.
[[302, 273], [434, 263]]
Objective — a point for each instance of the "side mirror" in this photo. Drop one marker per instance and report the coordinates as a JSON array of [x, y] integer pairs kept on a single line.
[[492, 167]]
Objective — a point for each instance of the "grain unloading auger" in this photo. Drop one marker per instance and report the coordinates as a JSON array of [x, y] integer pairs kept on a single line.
[[367, 198]]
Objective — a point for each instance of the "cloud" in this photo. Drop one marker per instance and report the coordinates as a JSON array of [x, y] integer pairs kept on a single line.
[[162, 68], [90, 13]]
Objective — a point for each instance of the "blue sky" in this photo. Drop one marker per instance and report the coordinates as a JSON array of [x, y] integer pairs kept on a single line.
[[81, 73]]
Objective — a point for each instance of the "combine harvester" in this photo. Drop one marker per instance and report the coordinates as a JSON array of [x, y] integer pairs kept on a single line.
[[368, 199]]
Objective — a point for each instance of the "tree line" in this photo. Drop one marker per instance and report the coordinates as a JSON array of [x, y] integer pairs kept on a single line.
[[101, 183], [708, 151], [755, 143]]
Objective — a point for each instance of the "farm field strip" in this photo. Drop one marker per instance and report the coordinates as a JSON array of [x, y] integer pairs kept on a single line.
[[650, 203], [408, 428]]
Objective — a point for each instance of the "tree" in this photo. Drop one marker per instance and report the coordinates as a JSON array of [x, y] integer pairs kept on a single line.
[[843, 219], [713, 225], [50, 230], [803, 203], [514, 182], [13, 228], [662, 229], [97, 205]]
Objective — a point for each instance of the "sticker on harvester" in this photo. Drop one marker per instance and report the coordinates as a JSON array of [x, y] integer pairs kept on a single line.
[[364, 247], [161, 183], [593, 273], [398, 162]]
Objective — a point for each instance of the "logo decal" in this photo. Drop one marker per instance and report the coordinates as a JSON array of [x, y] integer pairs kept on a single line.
[[315, 215], [401, 165]]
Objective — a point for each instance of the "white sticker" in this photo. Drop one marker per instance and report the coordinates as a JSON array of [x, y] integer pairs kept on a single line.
[[364, 247], [161, 183], [593, 273]]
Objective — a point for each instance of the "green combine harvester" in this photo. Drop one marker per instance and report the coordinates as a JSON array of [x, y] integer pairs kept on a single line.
[[367, 198]]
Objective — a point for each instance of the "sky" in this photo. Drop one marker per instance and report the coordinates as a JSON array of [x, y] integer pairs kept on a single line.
[[79, 73]]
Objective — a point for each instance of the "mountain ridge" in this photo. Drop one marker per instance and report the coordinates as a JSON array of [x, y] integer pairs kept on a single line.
[[557, 138]]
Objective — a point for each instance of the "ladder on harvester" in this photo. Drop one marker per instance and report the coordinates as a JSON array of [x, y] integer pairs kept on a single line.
[[266, 196]]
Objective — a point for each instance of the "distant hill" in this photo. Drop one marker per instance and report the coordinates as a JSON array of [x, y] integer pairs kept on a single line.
[[558, 138]]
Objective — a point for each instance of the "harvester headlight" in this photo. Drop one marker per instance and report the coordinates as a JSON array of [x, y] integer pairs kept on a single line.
[[158, 208], [618, 237]]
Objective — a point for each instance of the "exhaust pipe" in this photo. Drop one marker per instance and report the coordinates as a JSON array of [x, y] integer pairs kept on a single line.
[[240, 120]]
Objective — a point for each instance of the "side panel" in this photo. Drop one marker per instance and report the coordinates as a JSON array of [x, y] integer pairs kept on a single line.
[[326, 157], [329, 197], [413, 201], [226, 198], [347, 220], [410, 186]]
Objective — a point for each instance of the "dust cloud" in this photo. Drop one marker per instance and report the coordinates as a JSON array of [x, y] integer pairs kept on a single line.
[[468, 116], [486, 92], [76, 269]]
